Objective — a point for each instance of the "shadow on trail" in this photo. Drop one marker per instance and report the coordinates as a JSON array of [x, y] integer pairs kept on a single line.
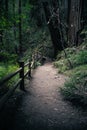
[[9, 110]]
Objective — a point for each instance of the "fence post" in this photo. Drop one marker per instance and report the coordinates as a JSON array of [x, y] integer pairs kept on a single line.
[[29, 67], [21, 63]]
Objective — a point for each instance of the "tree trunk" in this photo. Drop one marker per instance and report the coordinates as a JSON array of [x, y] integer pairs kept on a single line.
[[74, 22], [54, 31], [14, 19], [6, 9], [1, 29], [20, 30]]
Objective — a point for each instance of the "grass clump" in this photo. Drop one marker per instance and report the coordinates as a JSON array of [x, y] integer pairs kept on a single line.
[[73, 71], [7, 57], [62, 65], [76, 56], [80, 58], [76, 88], [6, 69]]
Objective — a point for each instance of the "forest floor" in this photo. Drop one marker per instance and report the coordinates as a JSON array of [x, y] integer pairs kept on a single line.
[[42, 106]]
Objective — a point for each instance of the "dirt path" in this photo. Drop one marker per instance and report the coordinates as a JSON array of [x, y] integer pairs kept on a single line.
[[43, 108]]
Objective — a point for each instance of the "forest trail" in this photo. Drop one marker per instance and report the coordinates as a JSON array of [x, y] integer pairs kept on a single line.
[[43, 107]]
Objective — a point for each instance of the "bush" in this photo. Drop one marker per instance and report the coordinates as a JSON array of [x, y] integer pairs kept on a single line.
[[6, 57], [76, 57], [6, 69], [76, 88], [2, 71], [80, 58], [62, 65], [69, 52]]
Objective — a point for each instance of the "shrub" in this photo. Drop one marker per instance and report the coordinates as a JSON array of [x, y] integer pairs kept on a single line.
[[77, 58], [6, 69], [69, 52], [76, 88], [6, 57], [80, 58], [62, 65]]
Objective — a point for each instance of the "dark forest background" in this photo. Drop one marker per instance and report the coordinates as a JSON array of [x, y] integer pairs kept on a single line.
[[57, 28]]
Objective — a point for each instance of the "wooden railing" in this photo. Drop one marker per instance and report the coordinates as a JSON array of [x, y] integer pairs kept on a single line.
[[22, 74], [20, 81]]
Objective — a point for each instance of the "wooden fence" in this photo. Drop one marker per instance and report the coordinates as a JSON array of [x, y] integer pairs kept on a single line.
[[22, 74]]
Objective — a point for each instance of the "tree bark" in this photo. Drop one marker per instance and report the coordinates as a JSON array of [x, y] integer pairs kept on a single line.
[[74, 21], [54, 31]]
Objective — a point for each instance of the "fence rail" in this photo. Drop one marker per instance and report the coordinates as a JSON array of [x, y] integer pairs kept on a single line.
[[20, 81], [8, 77], [22, 74]]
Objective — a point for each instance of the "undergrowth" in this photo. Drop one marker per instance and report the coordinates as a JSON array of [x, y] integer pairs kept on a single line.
[[75, 89], [6, 69], [75, 56]]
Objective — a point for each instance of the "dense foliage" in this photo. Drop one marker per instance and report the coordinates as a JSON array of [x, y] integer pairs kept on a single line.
[[56, 28], [75, 89]]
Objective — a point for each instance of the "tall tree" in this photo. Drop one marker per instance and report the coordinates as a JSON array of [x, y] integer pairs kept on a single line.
[[53, 22], [1, 31], [74, 21], [6, 9], [14, 19]]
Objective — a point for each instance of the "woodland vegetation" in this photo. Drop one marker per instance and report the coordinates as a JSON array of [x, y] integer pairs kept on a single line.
[[57, 28]]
